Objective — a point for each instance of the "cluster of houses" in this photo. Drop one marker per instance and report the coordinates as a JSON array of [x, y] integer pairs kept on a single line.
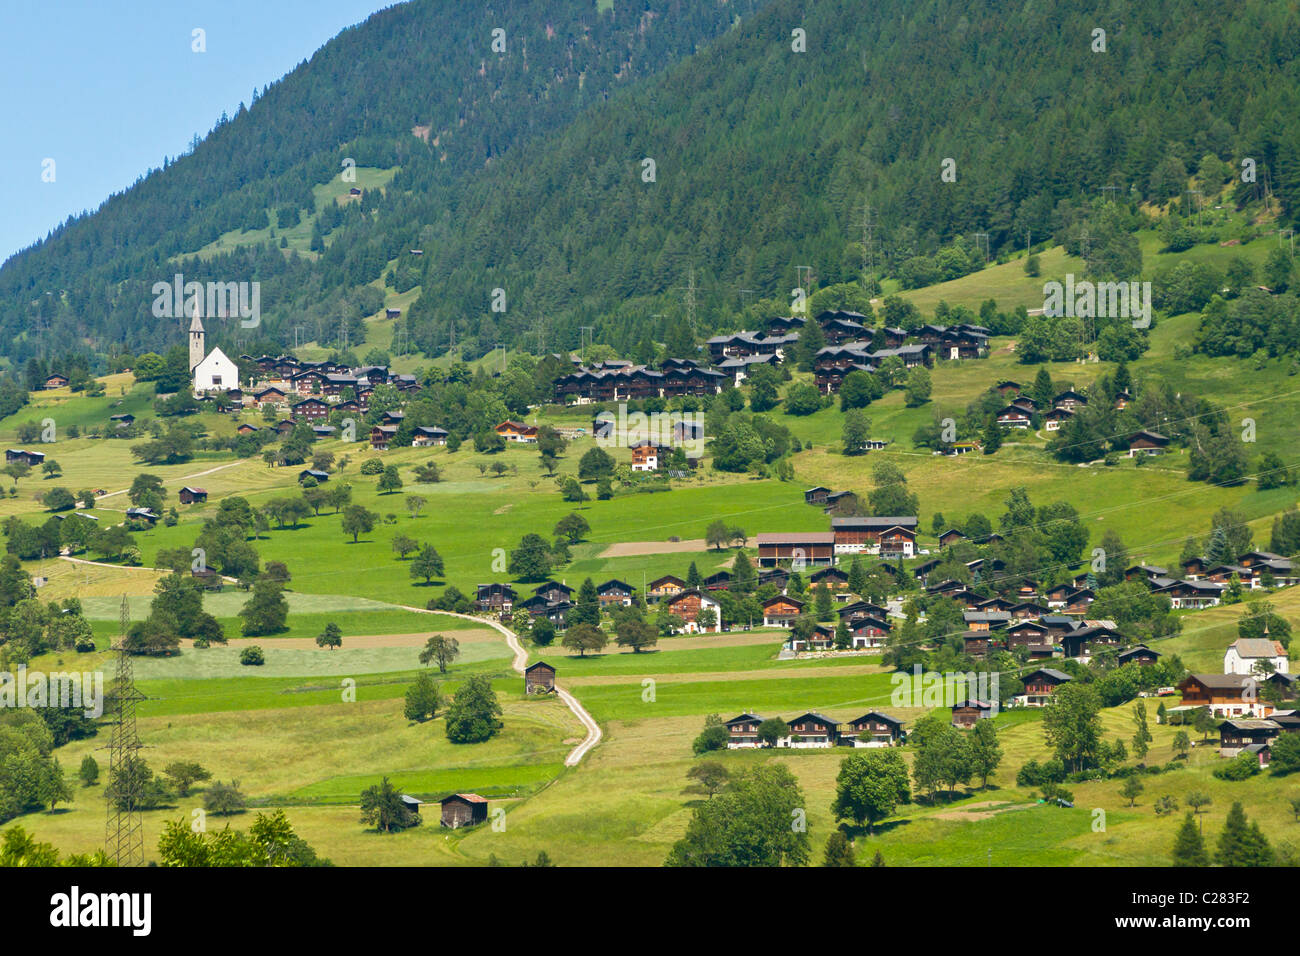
[[814, 730], [851, 344], [619, 381], [1204, 584], [554, 601]]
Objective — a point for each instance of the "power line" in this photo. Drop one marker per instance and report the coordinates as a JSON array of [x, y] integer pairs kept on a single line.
[[124, 837]]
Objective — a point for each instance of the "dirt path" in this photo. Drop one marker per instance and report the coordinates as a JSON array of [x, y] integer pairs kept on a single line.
[[519, 662]]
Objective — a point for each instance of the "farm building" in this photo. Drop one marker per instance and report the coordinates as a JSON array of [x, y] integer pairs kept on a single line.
[[539, 678], [807, 548], [189, 496], [463, 810], [967, 712]]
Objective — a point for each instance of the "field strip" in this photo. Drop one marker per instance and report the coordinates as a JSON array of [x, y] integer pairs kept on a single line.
[[197, 474], [519, 662], [632, 549], [695, 677]]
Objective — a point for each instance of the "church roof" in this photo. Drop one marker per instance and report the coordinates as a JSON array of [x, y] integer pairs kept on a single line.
[[196, 324]]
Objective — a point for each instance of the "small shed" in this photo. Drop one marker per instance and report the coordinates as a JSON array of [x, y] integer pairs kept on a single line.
[[189, 496], [539, 678], [464, 810]]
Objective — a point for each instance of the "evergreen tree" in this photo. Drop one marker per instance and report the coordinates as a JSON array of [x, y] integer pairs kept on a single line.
[[839, 852], [1189, 845]]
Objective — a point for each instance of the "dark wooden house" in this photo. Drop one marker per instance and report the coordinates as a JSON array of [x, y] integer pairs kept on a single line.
[[539, 678], [464, 810]]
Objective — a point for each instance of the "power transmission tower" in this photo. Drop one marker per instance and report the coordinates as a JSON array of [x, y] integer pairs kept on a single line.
[[1113, 190], [585, 333], [868, 240], [982, 244], [690, 300], [124, 837]]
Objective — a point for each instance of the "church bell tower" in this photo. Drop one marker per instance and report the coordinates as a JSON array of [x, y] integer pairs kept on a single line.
[[196, 339]]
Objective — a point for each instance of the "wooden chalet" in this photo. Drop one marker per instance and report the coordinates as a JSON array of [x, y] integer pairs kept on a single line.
[[1226, 695], [382, 436], [517, 431], [810, 731], [614, 592], [893, 534], [427, 435], [1014, 416], [1237, 734], [665, 587], [966, 713], [1040, 685], [816, 496], [781, 611], [872, 729], [554, 591], [495, 598], [742, 731], [1147, 443], [1138, 654], [687, 606]]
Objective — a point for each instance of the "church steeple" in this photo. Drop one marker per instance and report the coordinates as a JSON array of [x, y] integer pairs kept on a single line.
[[196, 338]]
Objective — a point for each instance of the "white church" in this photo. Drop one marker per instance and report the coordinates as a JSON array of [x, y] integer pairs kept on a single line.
[[214, 372]]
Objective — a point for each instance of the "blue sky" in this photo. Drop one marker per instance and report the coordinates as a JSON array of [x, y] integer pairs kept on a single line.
[[107, 88]]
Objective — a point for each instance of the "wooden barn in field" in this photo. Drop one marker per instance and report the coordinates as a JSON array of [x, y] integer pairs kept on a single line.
[[189, 496], [539, 678], [463, 810]]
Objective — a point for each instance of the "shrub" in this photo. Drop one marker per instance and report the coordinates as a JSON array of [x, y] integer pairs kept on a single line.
[[252, 656]]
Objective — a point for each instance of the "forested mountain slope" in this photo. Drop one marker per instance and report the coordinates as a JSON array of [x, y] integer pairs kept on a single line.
[[765, 158]]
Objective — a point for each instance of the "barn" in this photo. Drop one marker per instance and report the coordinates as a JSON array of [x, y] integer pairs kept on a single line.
[[463, 810], [539, 678]]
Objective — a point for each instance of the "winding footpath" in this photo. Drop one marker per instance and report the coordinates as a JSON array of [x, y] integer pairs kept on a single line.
[[520, 662]]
